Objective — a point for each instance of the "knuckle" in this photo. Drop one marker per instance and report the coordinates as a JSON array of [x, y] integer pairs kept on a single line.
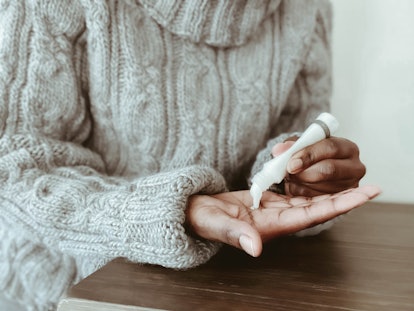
[[308, 157], [362, 171], [331, 147], [327, 169], [352, 148], [229, 236]]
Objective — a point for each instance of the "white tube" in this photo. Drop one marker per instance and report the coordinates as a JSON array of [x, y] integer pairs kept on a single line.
[[274, 171]]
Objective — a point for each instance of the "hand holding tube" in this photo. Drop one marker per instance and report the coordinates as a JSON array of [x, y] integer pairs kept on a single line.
[[274, 171]]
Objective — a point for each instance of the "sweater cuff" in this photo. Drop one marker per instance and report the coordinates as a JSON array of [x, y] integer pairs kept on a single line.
[[150, 224]]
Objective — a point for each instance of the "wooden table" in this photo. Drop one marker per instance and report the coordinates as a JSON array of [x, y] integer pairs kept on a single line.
[[366, 262]]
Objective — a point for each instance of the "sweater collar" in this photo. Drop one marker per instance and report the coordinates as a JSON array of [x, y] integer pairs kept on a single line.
[[222, 23]]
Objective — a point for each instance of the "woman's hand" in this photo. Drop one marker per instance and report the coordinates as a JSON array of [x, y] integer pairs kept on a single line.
[[328, 166], [228, 217]]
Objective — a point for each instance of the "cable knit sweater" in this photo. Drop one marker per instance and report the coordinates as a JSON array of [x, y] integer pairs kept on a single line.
[[112, 113]]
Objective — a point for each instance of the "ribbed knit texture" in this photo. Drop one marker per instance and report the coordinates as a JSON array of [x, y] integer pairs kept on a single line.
[[112, 113]]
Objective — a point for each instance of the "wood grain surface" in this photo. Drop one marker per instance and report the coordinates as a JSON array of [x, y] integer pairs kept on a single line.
[[365, 262]]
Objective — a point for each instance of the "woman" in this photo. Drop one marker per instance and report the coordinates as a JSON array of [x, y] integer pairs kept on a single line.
[[131, 128]]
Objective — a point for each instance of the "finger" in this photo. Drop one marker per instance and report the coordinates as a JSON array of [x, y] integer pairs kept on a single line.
[[296, 188], [279, 148], [212, 223], [347, 200], [279, 217], [330, 170], [319, 211], [331, 148], [236, 233]]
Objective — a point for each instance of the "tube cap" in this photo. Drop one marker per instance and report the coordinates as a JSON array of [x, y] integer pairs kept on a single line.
[[328, 122]]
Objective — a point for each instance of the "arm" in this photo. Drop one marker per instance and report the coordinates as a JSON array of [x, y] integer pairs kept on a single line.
[[62, 215]]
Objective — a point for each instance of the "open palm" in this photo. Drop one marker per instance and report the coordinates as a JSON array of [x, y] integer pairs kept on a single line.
[[228, 217]]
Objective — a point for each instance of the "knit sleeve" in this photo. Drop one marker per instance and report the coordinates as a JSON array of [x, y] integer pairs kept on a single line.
[[311, 91], [62, 216]]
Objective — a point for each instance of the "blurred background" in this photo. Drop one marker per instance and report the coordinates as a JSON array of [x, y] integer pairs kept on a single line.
[[373, 48]]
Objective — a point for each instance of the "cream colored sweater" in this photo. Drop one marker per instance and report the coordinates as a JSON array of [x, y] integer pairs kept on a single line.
[[112, 113]]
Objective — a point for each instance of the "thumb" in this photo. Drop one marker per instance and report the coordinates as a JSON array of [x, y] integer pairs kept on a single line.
[[237, 233], [224, 228], [279, 148], [206, 217]]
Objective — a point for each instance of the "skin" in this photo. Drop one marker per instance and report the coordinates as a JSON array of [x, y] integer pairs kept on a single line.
[[228, 217], [329, 166], [323, 186]]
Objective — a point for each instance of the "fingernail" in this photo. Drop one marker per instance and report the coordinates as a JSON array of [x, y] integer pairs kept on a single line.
[[247, 244], [294, 165]]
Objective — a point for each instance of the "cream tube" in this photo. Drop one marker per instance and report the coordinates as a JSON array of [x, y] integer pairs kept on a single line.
[[274, 171]]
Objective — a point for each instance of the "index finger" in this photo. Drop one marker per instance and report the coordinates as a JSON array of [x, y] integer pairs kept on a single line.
[[330, 148]]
